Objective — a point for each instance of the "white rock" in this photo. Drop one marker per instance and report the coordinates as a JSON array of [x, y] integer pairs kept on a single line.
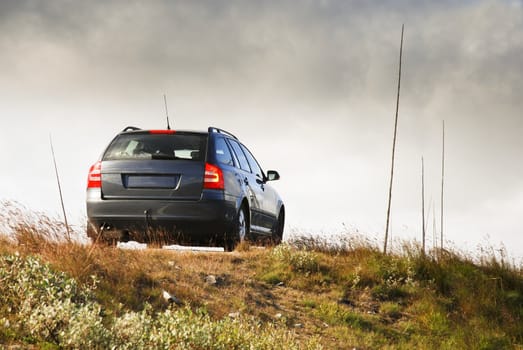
[[182, 248], [170, 298], [211, 279], [132, 245]]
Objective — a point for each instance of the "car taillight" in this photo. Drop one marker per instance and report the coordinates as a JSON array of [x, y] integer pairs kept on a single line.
[[94, 179], [213, 178]]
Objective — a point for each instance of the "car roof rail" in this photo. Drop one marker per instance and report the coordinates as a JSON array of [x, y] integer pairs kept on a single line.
[[131, 128], [221, 131]]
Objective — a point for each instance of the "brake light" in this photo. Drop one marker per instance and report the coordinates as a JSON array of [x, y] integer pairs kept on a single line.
[[213, 178], [94, 179], [167, 132]]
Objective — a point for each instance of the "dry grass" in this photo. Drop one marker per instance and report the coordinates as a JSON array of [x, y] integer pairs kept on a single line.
[[348, 294]]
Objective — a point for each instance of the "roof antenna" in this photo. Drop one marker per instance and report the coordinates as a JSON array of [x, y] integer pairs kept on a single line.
[[166, 112]]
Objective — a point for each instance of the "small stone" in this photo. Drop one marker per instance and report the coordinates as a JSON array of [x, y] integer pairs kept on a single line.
[[280, 284], [278, 315], [211, 279], [298, 325], [234, 314], [166, 295], [171, 298]]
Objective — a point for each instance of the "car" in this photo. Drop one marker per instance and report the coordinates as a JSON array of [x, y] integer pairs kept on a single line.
[[175, 186]]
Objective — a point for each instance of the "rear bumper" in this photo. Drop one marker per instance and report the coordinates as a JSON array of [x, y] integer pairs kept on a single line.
[[166, 220]]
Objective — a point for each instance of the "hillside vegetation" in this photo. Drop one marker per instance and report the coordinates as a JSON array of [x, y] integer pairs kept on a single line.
[[305, 294]]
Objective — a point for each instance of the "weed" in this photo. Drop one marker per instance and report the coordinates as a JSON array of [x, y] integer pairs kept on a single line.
[[309, 303], [386, 292], [274, 277], [342, 296], [333, 314], [391, 310], [298, 260], [243, 246]]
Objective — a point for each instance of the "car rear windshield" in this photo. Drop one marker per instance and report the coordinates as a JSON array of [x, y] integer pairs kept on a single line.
[[136, 146]]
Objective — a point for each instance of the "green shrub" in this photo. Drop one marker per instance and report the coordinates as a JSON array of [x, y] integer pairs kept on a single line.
[[47, 305], [298, 260], [41, 306]]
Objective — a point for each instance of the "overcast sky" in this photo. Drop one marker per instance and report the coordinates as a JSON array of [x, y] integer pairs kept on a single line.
[[309, 86]]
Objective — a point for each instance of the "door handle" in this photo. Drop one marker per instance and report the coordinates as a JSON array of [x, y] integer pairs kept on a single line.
[[261, 183]]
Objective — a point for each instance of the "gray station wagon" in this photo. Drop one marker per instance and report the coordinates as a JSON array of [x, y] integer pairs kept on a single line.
[[167, 186]]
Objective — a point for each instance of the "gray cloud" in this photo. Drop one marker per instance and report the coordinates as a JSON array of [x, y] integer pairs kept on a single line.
[[322, 51]]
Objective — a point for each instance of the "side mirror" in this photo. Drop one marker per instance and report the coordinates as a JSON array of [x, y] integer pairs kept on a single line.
[[272, 175]]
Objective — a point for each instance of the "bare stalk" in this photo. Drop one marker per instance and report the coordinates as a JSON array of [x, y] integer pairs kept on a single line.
[[442, 183], [434, 233], [60, 189], [423, 205], [393, 146]]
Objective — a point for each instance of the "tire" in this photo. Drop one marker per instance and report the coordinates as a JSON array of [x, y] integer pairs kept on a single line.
[[240, 229], [277, 234]]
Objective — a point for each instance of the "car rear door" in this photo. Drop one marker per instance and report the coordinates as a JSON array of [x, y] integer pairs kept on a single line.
[[269, 202], [254, 191], [154, 165]]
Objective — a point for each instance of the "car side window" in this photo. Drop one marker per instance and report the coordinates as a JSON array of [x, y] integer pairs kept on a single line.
[[253, 163], [223, 154], [242, 159]]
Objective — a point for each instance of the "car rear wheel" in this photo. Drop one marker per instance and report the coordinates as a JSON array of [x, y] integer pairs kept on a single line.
[[240, 229]]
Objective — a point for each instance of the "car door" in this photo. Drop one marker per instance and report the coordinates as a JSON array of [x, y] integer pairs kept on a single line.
[[226, 160], [266, 194], [253, 187]]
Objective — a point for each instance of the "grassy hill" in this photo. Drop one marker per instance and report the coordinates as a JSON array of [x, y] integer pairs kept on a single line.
[[303, 295]]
